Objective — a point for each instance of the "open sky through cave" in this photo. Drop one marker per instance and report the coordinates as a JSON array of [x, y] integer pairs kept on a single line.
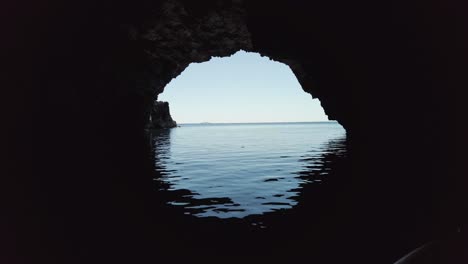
[[243, 88]]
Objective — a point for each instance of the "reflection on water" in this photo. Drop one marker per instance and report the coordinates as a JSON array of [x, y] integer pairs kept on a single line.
[[234, 171]]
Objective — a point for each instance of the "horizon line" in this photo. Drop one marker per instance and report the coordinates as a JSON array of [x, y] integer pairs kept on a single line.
[[197, 123]]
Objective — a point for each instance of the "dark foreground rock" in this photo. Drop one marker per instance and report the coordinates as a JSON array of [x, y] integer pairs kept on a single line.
[[161, 117], [79, 191]]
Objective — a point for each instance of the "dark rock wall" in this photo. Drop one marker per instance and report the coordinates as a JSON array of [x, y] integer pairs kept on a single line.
[[391, 72], [174, 35]]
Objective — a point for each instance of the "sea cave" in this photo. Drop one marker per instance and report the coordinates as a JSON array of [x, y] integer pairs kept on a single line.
[[86, 77]]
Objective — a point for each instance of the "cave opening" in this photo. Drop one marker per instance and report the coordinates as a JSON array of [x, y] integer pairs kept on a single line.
[[248, 139], [82, 83], [243, 88]]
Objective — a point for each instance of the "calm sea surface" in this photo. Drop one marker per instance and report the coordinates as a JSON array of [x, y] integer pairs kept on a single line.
[[238, 170]]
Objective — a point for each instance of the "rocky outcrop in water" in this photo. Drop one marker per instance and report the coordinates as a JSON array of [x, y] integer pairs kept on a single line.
[[161, 116]]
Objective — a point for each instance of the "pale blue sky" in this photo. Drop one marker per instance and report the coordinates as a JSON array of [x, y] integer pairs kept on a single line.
[[242, 88]]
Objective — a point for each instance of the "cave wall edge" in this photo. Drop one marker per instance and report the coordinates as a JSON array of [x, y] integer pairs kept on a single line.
[[377, 70], [377, 73], [390, 74]]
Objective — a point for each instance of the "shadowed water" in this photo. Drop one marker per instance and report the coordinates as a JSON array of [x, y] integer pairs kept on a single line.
[[240, 170]]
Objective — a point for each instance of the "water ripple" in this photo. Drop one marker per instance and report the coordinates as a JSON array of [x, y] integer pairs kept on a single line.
[[242, 170]]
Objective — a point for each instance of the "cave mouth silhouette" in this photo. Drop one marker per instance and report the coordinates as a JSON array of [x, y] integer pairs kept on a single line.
[[95, 69], [249, 139]]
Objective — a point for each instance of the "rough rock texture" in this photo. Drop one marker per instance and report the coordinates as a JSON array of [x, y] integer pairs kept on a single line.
[[173, 36], [390, 72], [161, 117]]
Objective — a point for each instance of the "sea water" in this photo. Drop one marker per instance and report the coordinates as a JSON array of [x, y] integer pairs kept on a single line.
[[237, 170]]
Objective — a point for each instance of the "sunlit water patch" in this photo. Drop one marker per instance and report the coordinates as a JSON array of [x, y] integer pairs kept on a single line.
[[237, 170]]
